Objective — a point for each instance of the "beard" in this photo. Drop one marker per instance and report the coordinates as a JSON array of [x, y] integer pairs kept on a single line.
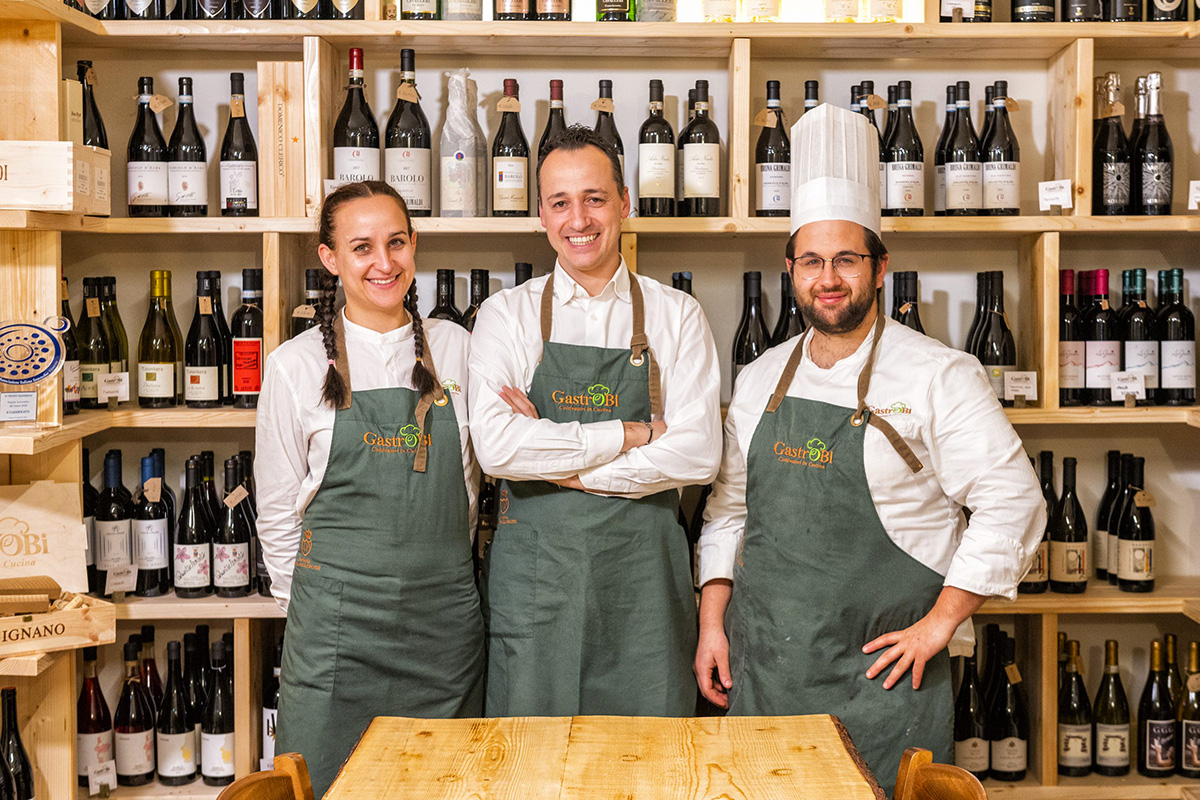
[[842, 320]]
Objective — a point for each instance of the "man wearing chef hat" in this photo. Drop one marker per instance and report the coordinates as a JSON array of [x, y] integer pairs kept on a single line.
[[834, 551]]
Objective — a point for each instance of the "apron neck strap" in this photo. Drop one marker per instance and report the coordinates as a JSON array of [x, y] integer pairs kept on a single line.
[[789, 373]]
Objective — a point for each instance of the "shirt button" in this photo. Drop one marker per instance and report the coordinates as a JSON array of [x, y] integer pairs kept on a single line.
[[595, 317]]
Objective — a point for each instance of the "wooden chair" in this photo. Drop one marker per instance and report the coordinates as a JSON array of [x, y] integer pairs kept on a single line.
[[920, 779], [288, 781]]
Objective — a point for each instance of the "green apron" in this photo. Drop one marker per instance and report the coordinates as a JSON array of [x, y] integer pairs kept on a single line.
[[589, 600], [817, 577], [384, 618]]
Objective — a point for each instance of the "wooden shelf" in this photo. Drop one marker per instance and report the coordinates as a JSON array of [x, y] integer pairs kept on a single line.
[[19, 441], [30, 666], [156, 791], [1170, 596], [172, 607], [1149, 415], [1095, 787]]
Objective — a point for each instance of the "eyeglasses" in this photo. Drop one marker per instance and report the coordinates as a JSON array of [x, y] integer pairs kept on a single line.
[[848, 265]]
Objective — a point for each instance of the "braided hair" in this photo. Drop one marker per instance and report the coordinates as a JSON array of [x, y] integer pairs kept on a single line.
[[334, 389]]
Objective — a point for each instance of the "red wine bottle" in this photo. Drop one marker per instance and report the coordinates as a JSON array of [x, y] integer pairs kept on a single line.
[[204, 351], [1102, 343], [134, 724], [312, 298], [13, 757], [187, 161], [1008, 722], [1036, 580], [193, 542], [151, 540], [216, 727], [556, 123], [270, 704], [606, 126], [149, 667], [193, 682], [1001, 160], [1070, 343], [239, 157], [1135, 537], [70, 369], [970, 723], [996, 348], [656, 160], [147, 168], [1112, 491], [939, 153], [247, 330], [445, 308], [510, 162], [93, 723], [1157, 743], [1176, 326], [773, 160], [355, 134], [176, 736], [1140, 352], [113, 524], [479, 293], [791, 321], [90, 500], [218, 313], [904, 160], [752, 338], [905, 305], [231, 546], [407, 154], [94, 133]]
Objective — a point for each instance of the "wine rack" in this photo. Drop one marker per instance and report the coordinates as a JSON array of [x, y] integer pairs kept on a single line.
[[40, 38]]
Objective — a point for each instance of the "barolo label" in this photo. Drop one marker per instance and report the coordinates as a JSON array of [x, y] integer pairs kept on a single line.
[[1156, 184], [150, 546], [1190, 746], [1001, 184], [905, 185], [1160, 744], [1074, 745], [112, 544], [176, 758], [352, 164], [964, 185], [407, 171], [192, 567], [509, 189], [239, 185], [1102, 359], [1010, 755], [1179, 365], [216, 754], [70, 379], [1141, 358], [971, 755], [1037, 567], [1068, 561], [268, 736], [156, 380], [1112, 745], [89, 524], [996, 377], [1115, 184], [1071, 365], [148, 185], [701, 170], [135, 752], [187, 183], [657, 11], [458, 185], [231, 565], [656, 170], [1135, 559], [92, 749], [939, 187], [774, 187], [247, 366], [200, 383]]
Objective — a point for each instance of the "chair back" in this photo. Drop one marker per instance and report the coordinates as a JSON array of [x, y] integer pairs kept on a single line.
[[288, 781], [920, 779]]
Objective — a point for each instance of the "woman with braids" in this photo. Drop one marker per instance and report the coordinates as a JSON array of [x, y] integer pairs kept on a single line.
[[367, 496]]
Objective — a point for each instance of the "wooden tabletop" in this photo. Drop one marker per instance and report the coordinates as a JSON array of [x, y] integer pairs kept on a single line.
[[580, 758]]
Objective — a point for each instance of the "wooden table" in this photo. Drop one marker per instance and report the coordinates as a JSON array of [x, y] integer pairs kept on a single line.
[[614, 758]]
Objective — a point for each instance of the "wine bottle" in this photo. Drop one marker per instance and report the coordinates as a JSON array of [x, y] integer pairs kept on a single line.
[[115, 456], [681, 208], [1174, 683], [1001, 161], [556, 123], [151, 542], [208, 488], [522, 272], [964, 167], [1008, 722], [13, 758], [981, 292], [1111, 712], [812, 95], [1124, 497], [1102, 344], [939, 153], [176, 737], [1074, 720], [193, 541], [512, 10], [865, 89], [134, 725], [145, 9], [1176, 326], [193, 683], [1082, 11], [1068, 538], [231, 545], [216, 729], [1153, 153], [510, 162], [752, 338], [479, 293], [996, 349], [445, 308], [157, 348], [904, 159], [149, 667], [258, 9], [1111, 159], [94, 132], [147, 158], [344, 9], [560, 10], [247, 329], [890, 123], [905, 305], [204, 666], [90, 499], [1140, 353], [239, 157], [218, 315], [1166, 11], [790, 322], [1071, 355], [1156, 740], [1112, 491], [118, 348], [246, 473], [606, 125], [113, 526], [1036, 580], [203, 353], [312, 298], [302, 9], [1188, 735], [699, 144], [270, 705], [93, 723], [355, 134], [1033, 11], [656, 160], [773, 160], [168, 494], [187, 161], [970, 723], [1062, 657], [993, 641], [70, 356], [407, 158], [1135, 132]]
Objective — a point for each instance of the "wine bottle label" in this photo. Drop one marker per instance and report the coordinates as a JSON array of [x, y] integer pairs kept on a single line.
[[135, 752], [231, 565], [656, 170], [719, 9], [1135, 560], [995, 373], [213, 9], [70, 379], [463, 9], [96, 7], [757, 9], [150, 546], [964, 185], [1167, 6], [512, 6], [116, 366], [216, 754], [1156, 184], [418, 6], [1160, 744], [352, 164], [92, 749], [1001, 185], [1141, 358], [200, 384], [1178, 365], [89, 524], [1010, 754], [187, 183], [1071, 365], [840, 9], [656, 11], [971, 755], [939, 188], [1068, 562], [239, 185], [775, 187], [147, 183], [303, 7], [89, 375], [156, 380], [1189, 747], [176, 758], [701, 171], [509, 189], [138, 7], [268, 735], [905, 185], [407, 171], [1102, 550], [112, 544], [247, 366], [606, 6], [1101, 360], [257, 9], [192, 567], [883, 9], [345, 7], [1112, 745], [1037, 567], [1115, 184], [1074, 745], [458, 185]]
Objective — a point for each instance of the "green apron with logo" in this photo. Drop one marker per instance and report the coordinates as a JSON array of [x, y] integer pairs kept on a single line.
[[589, 600], [817, 577], [384, 618]]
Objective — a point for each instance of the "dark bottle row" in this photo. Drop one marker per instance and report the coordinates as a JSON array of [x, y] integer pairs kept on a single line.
[[1134, 173], [16, 770], [991, 713], [1069, 11], [215, 10]]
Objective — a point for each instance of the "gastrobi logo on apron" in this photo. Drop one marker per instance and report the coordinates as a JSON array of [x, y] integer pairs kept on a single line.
[[597, 398], [406, 440], [306, 547], [814, 453]]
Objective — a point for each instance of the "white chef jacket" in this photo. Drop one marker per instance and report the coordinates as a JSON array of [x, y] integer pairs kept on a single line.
[[939, 400], [506, 347], [294, 428]]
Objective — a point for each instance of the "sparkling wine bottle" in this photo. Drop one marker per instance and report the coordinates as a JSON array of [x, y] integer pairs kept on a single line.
[[147, 158], [216, 728], [1135, 133], [407, 157], [556, 123], [1008, 722], [93, 723], [1111, 715], [752, 338], [773, 160], [151, 538], [247, 329], [970, 723], [1111, 158], [510, 162], [134, 725], [1157, 745], [700, 147], [1176, 326], [187, 161], [1153, 153], [355, 134], [656, 160], [1068, 538], [1074, 720]]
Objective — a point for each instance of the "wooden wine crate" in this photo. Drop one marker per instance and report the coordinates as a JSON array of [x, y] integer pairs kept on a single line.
[[55, 176], [85, 622], [281, 138]]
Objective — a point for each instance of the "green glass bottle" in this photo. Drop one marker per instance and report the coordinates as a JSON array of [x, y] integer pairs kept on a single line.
[[1188, 735], [1111, 714], [157, 349], [93, 340], [1074, 720], [1157, 745], [118, 354]]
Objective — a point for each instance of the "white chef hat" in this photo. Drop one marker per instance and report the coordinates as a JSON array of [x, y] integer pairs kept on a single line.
[[835, 168]]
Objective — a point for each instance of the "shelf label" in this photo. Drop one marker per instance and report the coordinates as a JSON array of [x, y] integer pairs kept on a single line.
[[114, 384], [1020, 383], [18, 407], [1128, 383], [121, 580], [1193, 195], [1054, 193], [101, 775]]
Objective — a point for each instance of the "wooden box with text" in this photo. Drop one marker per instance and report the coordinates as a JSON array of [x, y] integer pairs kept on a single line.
[[281, 138], [84, 622], [55, 176]]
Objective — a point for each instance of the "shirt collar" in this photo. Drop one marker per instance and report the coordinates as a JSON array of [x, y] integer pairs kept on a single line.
[[369, 336], [566, 289]]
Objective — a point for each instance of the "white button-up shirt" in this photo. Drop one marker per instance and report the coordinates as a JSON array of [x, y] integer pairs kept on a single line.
[[295, 426], [507, 346], [940, 401]]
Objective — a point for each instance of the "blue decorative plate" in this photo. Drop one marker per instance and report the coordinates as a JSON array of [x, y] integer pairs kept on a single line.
[[30, 353]]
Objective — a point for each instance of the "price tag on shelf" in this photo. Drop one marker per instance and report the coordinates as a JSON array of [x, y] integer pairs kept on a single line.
[[236, 496], [153, 489], [121, 580], [1020, 383], [101, 775], [508, 104], [1143, 499], [304, 311], [1193, 195], [408, 91], [1055, 193], [205, 303], [114, 385], [603, 104], [1128, 383], [18, 407], [1014, 674]]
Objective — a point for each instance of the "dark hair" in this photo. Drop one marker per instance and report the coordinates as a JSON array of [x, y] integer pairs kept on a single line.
[[575, 138], [334, 390], [875, 248]]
